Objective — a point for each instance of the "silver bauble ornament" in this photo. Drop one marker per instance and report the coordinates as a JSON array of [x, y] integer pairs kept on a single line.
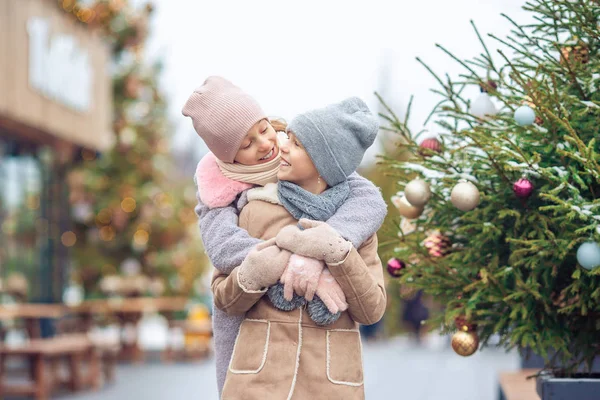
[[465, 196], [417, 192], [406, 209]]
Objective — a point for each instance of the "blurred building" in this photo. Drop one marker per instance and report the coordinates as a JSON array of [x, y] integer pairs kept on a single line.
[[55, 107]]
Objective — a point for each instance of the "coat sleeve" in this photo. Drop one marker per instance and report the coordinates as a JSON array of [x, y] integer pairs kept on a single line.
[[360, 276], [362, 214], [225, 243], [231, 296]]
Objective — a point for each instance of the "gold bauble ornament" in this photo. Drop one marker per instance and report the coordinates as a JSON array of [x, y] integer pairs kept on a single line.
[[417, 192], [575, 54], [465, 343], [406, 209], [465, 196]]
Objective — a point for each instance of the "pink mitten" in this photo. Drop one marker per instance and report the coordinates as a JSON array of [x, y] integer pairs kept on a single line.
[[331, 293], [301, 276]]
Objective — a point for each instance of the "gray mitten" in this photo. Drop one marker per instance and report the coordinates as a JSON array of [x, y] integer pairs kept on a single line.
[[320, 314], [263, 266], [275, 294]]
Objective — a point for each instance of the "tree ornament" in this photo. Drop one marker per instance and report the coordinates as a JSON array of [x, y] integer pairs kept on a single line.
[[406, 209], [483, 107], [463, 325], [395, 267], [523, 188], [417, 192], [488, 86], [437, 245], [465, 196], [524, 116], [588, 255], [430, 144], [577, 54], [465, 343]]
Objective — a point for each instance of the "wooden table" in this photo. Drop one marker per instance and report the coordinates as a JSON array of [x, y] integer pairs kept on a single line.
[[516, 386], [129, 311], [31, 313], [44, 353]]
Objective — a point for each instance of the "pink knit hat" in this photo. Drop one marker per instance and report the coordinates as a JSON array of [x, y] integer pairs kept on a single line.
[[222, 114]]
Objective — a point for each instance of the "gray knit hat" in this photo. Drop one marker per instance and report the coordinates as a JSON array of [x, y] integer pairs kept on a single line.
[[336, 137]]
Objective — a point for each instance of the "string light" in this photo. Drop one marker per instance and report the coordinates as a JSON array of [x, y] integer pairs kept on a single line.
[[104, 217], [107, 233], [141, 237], [68, 239], [128, 204]]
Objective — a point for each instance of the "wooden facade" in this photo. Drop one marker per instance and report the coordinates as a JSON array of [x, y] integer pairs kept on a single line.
[[30, 113]]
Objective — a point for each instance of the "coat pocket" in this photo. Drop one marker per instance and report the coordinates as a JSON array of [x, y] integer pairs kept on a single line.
[[251, 347], [344, 357]]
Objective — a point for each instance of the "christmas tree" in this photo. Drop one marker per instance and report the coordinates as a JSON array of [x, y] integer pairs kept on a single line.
[[500, 214], [133, 217]]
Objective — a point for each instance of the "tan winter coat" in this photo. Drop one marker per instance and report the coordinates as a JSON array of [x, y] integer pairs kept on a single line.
[[283, 355]]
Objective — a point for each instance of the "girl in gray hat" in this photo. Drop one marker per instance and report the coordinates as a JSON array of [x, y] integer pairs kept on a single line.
[[282, 354]]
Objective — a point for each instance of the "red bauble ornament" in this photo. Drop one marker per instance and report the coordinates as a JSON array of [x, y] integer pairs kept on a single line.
[[523, 188], [485, 87], [432, 144], [395, 267]]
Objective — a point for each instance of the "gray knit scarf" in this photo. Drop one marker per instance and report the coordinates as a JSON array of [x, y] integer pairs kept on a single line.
[[319, 207]]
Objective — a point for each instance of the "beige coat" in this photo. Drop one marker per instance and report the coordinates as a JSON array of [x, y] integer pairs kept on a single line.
[[283, 355]]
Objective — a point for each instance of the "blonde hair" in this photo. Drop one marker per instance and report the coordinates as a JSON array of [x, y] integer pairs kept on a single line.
[[279, 124]]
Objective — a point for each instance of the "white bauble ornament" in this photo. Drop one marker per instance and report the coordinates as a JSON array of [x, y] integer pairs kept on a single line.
[[483, 107], [465, 196], [524, 116], [130, 267], [588, 255], [417, 192], [406, 209]]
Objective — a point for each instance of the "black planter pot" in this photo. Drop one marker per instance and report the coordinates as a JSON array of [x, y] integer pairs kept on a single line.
[[579, 387], [531, 360]]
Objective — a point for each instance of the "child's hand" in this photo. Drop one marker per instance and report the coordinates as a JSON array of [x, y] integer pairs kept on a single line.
[[301, 276], [331, 293], [263, 266]]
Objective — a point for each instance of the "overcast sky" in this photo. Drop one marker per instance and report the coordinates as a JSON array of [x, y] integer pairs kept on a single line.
[[297, 55]]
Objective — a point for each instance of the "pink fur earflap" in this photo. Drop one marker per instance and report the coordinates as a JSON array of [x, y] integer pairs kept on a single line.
[[216, 190]]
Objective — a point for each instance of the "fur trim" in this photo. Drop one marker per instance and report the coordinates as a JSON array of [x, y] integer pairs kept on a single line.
[[268, 193], [275, 294], [320, 314], [215, 189], [329, 358], [291, 393], [265, 351]]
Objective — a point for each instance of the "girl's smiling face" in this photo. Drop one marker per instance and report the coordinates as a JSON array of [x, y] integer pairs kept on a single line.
[[259, 146]]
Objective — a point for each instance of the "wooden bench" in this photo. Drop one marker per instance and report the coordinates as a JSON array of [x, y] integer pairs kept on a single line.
[[516, 386], [45, 356]]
